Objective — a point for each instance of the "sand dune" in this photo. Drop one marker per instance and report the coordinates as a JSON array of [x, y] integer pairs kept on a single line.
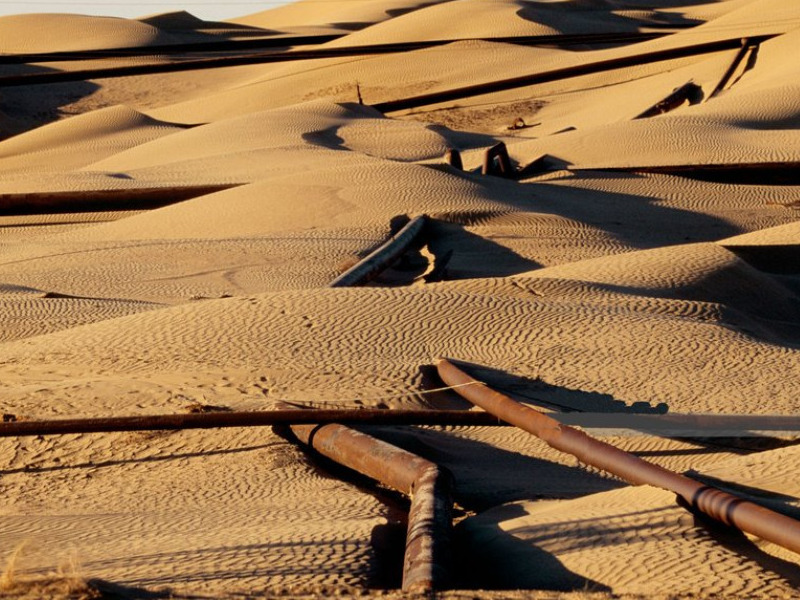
[[558, 320], [388, 78], [26, 316], [347, 15], [66, 32], [613, 276], [77, 142], [720, 135], [43, 33], [782, 235], [320, 123]]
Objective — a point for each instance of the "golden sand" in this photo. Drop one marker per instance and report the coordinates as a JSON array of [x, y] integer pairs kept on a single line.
[[612, 276]]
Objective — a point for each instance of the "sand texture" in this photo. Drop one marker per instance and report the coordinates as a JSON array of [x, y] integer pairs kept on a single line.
[[167, 242]]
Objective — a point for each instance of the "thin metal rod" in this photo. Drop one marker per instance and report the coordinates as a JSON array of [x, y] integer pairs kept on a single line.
[[215, 420], [681, 425], [381, 258], [426, 564], [722, 506]]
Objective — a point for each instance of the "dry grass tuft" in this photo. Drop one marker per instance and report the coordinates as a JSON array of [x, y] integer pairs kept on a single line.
[[65, 584]]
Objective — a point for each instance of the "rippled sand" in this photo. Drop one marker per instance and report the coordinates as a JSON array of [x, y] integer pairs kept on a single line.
[[167, 240]]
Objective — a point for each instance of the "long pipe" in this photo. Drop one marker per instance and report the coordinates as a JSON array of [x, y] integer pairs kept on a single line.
[[214, 420], [239, 45], [478, 89], [667, 425], [292, 41], [719, 505], [276, 57], [427, 554]]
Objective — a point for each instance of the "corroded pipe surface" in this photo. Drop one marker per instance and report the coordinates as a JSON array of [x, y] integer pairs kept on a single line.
[[427, 555], [719, 505], [363, 453], [427, 559]]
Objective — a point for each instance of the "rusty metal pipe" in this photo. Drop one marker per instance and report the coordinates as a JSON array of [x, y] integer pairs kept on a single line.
[[719, 505], [217, 420], [426, 565], [427, 554]]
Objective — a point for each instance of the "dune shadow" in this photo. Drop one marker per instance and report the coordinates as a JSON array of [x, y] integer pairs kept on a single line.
[[181, 22], [553, 16], [510, 556], [404, 10], [166, 457], [642, 222], [109, 590], [557, 19], [757, 303], [523, 565], [23, 108], [472, 255], [630, 221], [487, 475], [533, 392], [294, 561], [777, 259]]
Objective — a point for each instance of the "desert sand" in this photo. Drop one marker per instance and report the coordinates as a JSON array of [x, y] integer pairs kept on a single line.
[[167, 240]]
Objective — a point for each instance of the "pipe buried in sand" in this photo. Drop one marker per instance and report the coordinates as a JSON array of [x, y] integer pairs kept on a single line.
[[381, 258], [427, 555], [719, 505], [497, 162]]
